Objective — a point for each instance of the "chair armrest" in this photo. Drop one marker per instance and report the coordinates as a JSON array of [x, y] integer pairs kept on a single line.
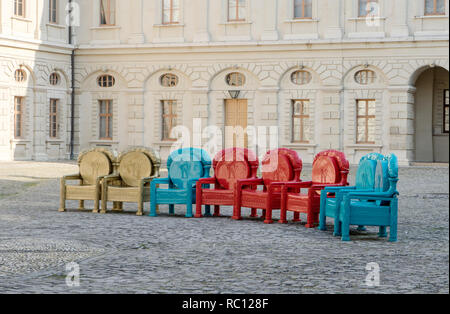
[[375, 196], [72, 177], [110, 178], [160, 181], [207, 181], [334, 189], [323, 186], [298, 185], [249, 182]]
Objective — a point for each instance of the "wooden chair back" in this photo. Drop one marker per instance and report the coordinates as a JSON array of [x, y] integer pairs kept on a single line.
[[94, 163], [136, 164], [186, 164]]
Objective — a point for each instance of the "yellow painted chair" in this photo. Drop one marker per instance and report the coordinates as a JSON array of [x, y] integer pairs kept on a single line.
[[94, 165], [136, 168]]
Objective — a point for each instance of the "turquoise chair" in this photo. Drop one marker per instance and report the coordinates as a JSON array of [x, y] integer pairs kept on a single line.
[[331, 197], [185, 166], [378, 208]]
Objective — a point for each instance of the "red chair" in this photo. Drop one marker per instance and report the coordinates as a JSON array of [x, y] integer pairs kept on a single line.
[[280, 166], [330, 168], [230, 165]]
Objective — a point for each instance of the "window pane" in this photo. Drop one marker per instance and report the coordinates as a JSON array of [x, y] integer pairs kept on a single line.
[[440, 6], [103, 127], [296, 130], [362, 7], [305, 130], [308, 8], [166, 4], [372, 108], [371, 130], [429, 6], [297, 108], [361, 136]]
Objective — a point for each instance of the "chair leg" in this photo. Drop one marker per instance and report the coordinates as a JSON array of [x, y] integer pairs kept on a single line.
[[283, 214], [263, 215], [81, 205], [216, 210], [62, 199], [310, 217], [104, 206], [189, 210], [96, 206], [361, 228], [322, 216], [346, 225], [394, 219], [296, 217], [254, 213], [268, 219], [208, 211], [382, 232], [337, 228], [172, 209], [140, 211]]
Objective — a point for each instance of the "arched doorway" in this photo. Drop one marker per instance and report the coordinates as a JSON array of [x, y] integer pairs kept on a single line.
[[432, 116]]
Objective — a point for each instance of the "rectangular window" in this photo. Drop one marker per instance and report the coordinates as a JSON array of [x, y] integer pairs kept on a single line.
[[107, 12], [446, 112], [300, 121], [19, 8], [171, 12], [52, 14], [169, 118], [434, 7], [106, 115], [237, 10], [366, 7], [302, 9], [366, 121], [18, 116], [53, 118]]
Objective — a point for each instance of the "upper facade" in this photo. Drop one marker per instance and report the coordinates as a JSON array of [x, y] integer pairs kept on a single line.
[[113, 22]]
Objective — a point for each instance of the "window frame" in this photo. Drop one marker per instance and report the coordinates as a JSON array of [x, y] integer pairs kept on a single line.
[[446, 105], [18, 133], [20, 75], [53, 8], [301, 117], [367, 118], [234, 78], [301, 77], [303, 5], [171, 10], [108, 12], [370, 79], [238, 18], [54, 118], [108, 116], [172, 114], [106, 81], [366, 2], [434, 13], [16, 8]]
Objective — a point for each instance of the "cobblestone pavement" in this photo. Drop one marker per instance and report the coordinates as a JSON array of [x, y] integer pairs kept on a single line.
[[123, 253]]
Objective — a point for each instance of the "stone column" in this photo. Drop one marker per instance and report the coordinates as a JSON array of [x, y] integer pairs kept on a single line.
[[136, 22], [270, 20], [400, 16], [202, 20], [332, 14]]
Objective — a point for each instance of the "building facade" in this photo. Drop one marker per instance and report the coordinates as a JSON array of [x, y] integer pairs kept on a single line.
[[355, 75]]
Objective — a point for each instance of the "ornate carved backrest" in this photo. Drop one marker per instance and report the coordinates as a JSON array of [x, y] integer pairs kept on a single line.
[[367, 174], [186, 164], [234, 164], [328, 167], [136, 164], [281, 165], [387, 174], [94, 163]]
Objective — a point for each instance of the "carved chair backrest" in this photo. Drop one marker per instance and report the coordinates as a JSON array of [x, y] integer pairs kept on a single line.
[[233, 164], [281, 165], [188, 163], [94, 163], [329, 167], [136, 164], [367, 174]]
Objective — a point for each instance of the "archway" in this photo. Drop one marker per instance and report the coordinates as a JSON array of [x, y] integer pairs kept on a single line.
[[432, 116]]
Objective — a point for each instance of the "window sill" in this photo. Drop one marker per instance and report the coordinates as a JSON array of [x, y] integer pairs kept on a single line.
[[103, 142], [20, 18], [166, 143], [370, 146], [54, 140], [364, 18], [303, 20], [300, 145], [169, 25], [55, 25], [20, 140], [105, 27], [236, 23], [431, 17]]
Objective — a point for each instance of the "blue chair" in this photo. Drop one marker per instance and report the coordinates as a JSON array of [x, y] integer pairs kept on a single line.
[[331, 197], [186, 166], [378, 208]]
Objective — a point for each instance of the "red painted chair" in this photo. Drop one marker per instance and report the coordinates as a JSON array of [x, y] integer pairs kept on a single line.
[[280, 166], [230, 165], [330, 168]]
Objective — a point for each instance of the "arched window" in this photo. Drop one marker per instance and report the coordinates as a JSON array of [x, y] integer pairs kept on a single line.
[[106, 81], [235, 79], [54, 79], [365, 77], [169, 80], [301, 77], [20, 76]]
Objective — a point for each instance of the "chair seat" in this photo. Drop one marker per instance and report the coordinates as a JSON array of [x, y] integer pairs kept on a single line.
[[257, 199], [126, 194], [173, 196], [299, 203], [218, 197], [80, 192], [367, 214]]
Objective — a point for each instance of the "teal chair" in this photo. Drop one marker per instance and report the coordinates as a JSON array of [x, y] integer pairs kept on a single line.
[[378, 208], [185, 166], [331, 197]]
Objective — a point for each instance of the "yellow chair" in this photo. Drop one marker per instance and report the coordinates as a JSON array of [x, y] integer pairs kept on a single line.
[[94, 165], [136, 168]]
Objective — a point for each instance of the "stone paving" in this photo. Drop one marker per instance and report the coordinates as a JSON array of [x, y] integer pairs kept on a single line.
[[123, 253]]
